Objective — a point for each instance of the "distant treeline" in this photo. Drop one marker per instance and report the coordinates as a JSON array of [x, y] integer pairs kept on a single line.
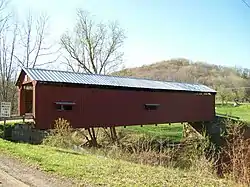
[[231, 83]]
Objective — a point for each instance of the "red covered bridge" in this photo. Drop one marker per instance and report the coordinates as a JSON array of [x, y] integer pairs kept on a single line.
[[89, 100]]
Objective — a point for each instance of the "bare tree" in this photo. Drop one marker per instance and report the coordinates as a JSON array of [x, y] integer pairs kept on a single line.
[[8, 69], [93, 47], [8, 38], [33, 35]]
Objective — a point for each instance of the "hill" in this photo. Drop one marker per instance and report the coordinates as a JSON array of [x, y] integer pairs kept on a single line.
[[228, 81]]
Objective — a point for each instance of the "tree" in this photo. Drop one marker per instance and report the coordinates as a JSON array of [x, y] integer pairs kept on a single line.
[[223, 94], [94, 48], [8, 40], [238, 94], [20, 44], [33, 35]]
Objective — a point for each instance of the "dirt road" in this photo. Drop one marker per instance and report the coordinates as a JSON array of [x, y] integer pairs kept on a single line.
[[17, 174], [8, 180]]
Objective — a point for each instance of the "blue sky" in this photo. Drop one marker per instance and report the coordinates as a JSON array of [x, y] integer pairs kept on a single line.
[[213, 31]]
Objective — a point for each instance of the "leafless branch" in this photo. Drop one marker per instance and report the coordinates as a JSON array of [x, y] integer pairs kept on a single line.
[[246, 3], [50, 62], [3, 4], [94, 46], [33, 40], [7, 63], [70, 65]]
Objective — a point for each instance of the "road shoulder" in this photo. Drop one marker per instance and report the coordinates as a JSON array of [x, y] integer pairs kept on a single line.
[[12, 169]]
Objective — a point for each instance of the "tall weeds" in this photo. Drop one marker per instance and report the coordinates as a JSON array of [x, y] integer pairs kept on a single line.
[[135, 148], [236, 154]]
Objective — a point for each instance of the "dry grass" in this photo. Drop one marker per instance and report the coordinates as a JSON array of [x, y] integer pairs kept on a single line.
[[236, 155], [61, 135], [136, 148], [145, 150]]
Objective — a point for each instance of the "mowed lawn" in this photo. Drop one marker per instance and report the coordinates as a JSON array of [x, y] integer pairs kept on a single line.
[[242, 111], [95, 170], [171, 132]]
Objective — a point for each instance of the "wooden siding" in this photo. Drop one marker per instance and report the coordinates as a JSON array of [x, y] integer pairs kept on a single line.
[[97, 107]]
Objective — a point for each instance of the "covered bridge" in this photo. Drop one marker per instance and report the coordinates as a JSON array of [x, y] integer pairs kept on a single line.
[[90, 100]]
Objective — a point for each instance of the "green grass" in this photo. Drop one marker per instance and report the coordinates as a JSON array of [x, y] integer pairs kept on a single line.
[[171, 132], [15, 121], [242, 111], [97, 170]]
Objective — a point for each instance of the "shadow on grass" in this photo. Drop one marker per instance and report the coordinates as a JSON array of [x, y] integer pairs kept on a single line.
[[68, 152]]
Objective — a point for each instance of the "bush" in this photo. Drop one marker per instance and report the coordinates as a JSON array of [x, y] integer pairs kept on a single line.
[[6, 132], [60, 135], [1, 133]]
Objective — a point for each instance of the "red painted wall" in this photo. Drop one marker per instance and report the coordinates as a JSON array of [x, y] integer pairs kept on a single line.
[[97, 107]]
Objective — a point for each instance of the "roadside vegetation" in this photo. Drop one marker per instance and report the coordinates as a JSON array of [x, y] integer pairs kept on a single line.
[[95, 169], [135, 160]]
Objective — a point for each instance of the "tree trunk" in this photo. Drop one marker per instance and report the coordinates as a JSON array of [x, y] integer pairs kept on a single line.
[[93, 138], [113, 134]]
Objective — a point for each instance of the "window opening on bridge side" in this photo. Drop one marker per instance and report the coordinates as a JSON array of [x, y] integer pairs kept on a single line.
[[64, 106], [151, 106]]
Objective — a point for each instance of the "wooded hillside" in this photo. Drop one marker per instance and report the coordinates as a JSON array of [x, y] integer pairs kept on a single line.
[[230, 82]]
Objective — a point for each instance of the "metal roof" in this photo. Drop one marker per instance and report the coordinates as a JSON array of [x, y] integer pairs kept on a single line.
[[56, 76]]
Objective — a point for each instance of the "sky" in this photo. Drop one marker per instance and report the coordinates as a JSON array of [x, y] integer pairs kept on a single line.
[[212, 31]]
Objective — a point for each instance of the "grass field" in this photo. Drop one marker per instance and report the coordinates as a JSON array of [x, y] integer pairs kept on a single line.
[[96, 170], [242, 111], [172, 132]]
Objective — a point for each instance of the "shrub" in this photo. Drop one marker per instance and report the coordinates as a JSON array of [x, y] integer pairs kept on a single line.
[[6, 131], [60, 135], [1, 133]]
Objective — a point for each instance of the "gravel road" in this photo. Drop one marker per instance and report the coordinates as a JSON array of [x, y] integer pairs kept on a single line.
[[17, 174]]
